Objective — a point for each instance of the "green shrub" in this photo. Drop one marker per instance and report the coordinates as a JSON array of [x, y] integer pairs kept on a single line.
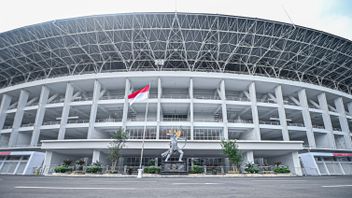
[[152, 170], [251, 168], [281, 169], [197, 169], [94, 169], [62, 169]]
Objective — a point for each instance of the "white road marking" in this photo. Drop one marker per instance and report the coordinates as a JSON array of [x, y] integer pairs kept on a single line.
[[195, 183], [69, 188], [337, 186], [279, 180]]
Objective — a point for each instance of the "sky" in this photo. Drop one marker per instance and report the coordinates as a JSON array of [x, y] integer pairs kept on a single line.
[[333, 16]]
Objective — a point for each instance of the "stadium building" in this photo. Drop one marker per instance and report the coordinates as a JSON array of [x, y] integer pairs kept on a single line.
[[283, 91]]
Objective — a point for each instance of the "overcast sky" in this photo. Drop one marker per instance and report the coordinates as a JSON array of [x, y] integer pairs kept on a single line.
[[333, 16]]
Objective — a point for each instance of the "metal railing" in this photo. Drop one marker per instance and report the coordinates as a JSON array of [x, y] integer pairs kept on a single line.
[[266, 100], [27, 125], [82, 99], [207, 120], [77, 121], [109, 120], [295, 124], [176, 119], [240, 121], [269, 122], [51, 123], [236, 98], [175, 96], [318, 126], [112, 97], [207, 97]]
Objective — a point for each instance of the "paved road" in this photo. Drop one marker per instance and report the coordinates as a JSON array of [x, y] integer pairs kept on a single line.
[[73, 187]]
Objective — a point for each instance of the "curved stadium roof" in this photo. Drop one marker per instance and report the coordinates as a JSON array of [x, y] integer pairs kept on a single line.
[[175, 41]]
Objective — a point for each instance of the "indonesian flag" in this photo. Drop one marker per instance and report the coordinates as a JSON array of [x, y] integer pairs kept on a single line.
[[139, 95]]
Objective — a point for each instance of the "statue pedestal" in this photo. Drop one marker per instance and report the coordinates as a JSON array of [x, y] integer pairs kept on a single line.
[[173, 168]]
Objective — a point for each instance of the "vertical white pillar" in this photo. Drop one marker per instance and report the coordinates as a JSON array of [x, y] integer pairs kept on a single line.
[[224, 110], [349, 106], [94, 109], [343, 121], [282, 113], [44, 94], [125, 105], [96, 156], [248, 157], [65, 111], [47, 162], [5, 103], [191, 109], [296, 164], [158, 109], [306, 118], [254, 108], [22, 101], [326, 118]]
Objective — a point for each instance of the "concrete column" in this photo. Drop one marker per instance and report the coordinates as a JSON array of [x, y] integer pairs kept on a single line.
[[94, 109], [22, 101], [282, 113], [224, 110], [4, 106], [296, 164], [306, 118], [254, 108], [125, 105], [191, 107], [158, 110], [343, 121], [248, 157], [65, 111], [44, 95], [227, 164], [326, 118], [47, 162], [96, 156], [349, 106]]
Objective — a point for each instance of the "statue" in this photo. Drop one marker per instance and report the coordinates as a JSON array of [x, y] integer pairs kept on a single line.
[[174, 137]]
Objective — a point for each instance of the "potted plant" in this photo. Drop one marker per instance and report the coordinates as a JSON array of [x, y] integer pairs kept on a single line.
[[79, 165], [251, 168], [94, 168]]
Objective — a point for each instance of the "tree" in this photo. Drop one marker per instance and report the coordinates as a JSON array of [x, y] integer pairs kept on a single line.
[[118, 142], [230, 149]]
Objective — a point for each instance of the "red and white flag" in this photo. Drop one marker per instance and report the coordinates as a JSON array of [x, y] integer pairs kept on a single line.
[[139, 95]]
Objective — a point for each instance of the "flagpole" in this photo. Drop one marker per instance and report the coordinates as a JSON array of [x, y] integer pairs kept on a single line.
[[140, 170]]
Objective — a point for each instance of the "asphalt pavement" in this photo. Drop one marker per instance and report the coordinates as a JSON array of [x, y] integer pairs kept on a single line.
[[214, 187]]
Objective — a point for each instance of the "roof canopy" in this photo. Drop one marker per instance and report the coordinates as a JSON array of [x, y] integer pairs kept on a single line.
[[176, 42]]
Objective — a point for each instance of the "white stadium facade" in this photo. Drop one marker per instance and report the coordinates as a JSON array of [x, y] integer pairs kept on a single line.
[[282, 91]]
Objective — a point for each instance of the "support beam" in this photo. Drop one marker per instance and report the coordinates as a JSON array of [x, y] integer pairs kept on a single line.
[[65, 111], [343, 122], [22, 101], [94, 109], [44, 95], [224, 110], [125, 104], [191, 108], [4, 106], [254, 107], [158, 113], [282, 113], [326, 118], [302, 95]]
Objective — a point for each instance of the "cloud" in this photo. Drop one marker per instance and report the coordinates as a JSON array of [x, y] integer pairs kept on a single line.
[[323, 15]]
